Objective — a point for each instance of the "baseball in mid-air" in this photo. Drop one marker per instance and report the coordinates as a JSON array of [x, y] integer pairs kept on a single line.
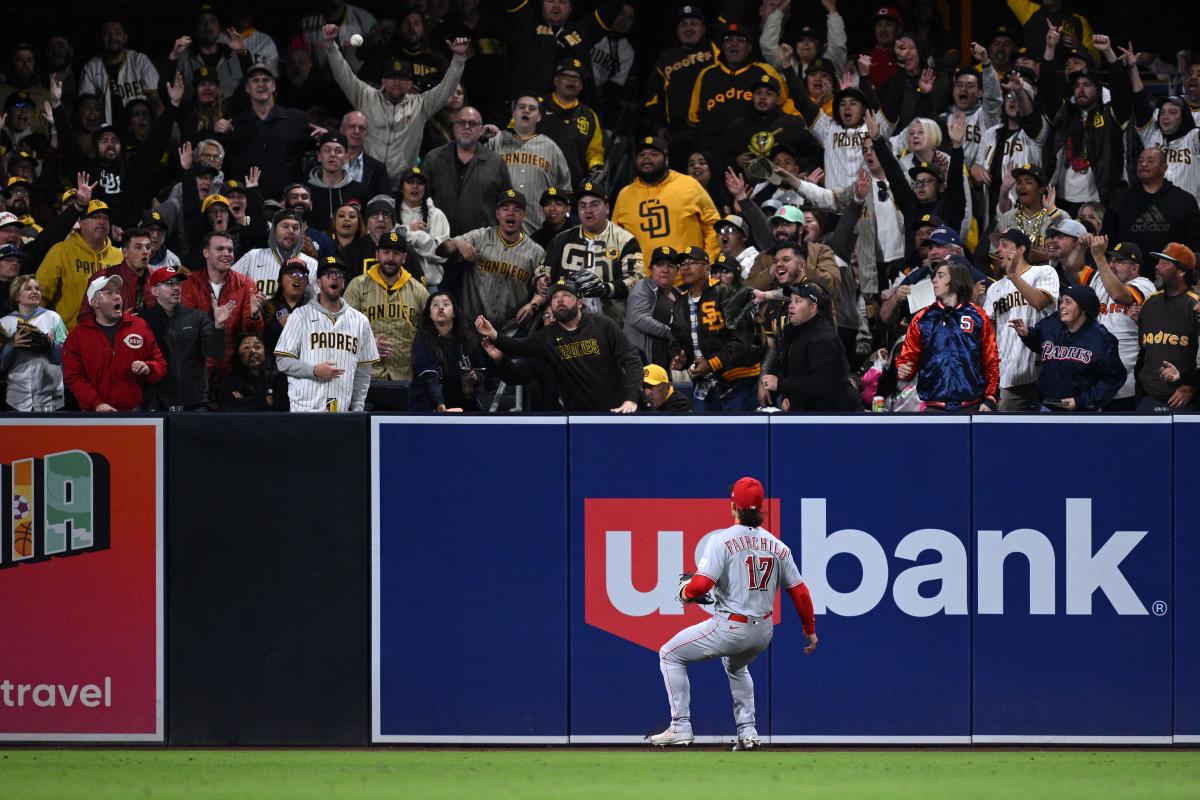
[[356, 40]]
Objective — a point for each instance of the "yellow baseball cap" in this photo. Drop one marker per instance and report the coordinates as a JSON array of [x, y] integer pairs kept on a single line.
[[213, 199], [653, 375]]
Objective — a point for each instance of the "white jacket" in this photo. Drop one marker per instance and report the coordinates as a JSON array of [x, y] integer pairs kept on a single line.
[[35, 380], [426, 243]]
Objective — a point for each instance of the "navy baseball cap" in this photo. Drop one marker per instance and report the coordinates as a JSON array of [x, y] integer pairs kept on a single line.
[[1018, 237], [945, 235], [331, 264]]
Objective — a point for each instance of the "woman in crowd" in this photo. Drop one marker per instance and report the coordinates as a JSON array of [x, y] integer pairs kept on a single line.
[[425, 225], [440, 128], [704, 168], [447, 363], [951, 346], [347, 225], [248, 386], [291, 292], [32, 354], [208, 107], [1081, 361]]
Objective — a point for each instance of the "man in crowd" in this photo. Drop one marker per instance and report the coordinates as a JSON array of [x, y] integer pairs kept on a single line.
[[111, 356], [721, 361], [659, 395], [651, 305], [367, 170], [556, 209], [669, 92], [1169, 330], [396, 114], [205, 50], [327, 349], [187, 338], [573, 126], [265, 135], [261, 265], [117, 75], [534, 161], [216, 284], [329, 184], [392, 300], [662, 207], [70, 264], [594, 365], [297, 198], [1153, 212], [134, 271], [466, 179]]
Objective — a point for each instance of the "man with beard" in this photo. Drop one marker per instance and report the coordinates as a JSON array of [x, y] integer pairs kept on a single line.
[[117, 75], [204, 49], [22, 75], [594, 365], [1153, 212], [402, 39], [1087, 134], [298, 199], [498, 263], [721, 360], [662, 207], [392, 299], [70, 264], [766, 127], [187, 338], [534, 161], [669, 92], [811, 373], [1067, 246], [262, 265], [603, 259], [787, 226], [1169, 330], [125, 181], [396, 113], [111, 356], [573, 126], [723, 91], [466, 179], [1172, 130], [216, 284]]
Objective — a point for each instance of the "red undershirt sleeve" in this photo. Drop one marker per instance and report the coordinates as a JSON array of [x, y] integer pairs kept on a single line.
[[698, 586], [804, 606]]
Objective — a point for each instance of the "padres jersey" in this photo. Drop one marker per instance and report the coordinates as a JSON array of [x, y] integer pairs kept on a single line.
[[392, 311], [1016, 150], [315, 335], [613, 254], [982, 118], [749, 565], [669, 90], [262, 266], [135, 77], [502, 280], [534, 165], [1183, 156], [1005, 303], [843, 148], [1115, 317]]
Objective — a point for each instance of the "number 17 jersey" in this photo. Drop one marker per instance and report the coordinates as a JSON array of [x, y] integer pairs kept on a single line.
[[748, 565]]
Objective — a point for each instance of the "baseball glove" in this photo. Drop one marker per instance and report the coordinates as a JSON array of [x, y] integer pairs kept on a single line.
[[739, 307], [684, 579], [588, 283], [39, 342]]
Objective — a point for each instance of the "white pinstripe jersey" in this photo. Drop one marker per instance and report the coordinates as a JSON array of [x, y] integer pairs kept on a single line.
[[502, 278], [314, 335], [534, 165], [1005, 303], [262, 266], [749, 565], [1183, 156], [136, 76], [843, 148], [1115, 317]]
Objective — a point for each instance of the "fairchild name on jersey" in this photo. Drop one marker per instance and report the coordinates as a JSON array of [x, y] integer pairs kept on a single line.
[[325, 340], [761, 543], [502, 268]]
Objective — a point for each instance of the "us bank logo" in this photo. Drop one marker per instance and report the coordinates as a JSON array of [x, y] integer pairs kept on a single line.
[[57, 505], [634, 552]]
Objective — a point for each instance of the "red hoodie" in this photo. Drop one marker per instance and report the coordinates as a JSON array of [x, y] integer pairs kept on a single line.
[[197, 293], [98, 372]]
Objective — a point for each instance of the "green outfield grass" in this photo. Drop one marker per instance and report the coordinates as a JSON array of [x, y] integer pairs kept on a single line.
[[663, 775]]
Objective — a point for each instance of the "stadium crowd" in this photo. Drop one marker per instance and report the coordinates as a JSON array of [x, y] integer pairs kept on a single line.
[[470, 207]]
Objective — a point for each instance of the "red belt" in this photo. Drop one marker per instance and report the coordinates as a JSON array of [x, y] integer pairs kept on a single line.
[[739, 618]]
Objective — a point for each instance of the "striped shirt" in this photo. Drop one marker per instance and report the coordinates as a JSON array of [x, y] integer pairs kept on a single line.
[[502, 278], [534, 165], [1004, 304]]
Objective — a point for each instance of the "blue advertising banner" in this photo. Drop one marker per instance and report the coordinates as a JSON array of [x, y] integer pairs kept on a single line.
[[1072, 630], [469, 583], [885, 557], [1186, 608], [644, 491]]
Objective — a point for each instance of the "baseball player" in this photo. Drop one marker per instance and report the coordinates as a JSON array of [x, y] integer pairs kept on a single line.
[[1028, 293], [504, 261], [535, 162], [745, 564], [327, 348], [283, 244]]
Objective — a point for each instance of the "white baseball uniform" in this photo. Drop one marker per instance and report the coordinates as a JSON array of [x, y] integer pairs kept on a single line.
[[1183, 156], [315, 335], [1115, 317], [1005, 303], [262, 265], [749, 565], [136, 76], [843, 148]]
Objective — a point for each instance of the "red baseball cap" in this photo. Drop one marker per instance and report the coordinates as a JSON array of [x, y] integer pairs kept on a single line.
[[889, 12], [164, 274], [748, 493]]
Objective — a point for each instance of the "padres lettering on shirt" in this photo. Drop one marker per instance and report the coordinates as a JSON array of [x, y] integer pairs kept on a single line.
[[1004, 304]]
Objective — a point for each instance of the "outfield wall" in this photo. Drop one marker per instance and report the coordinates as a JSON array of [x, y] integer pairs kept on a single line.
[[342, 581]]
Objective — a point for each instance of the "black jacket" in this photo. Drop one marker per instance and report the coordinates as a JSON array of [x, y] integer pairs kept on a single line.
[[785, 129], [951, 204], [812, 368], [1153, 220], [275, 145], [732, 353], [186, 339]]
